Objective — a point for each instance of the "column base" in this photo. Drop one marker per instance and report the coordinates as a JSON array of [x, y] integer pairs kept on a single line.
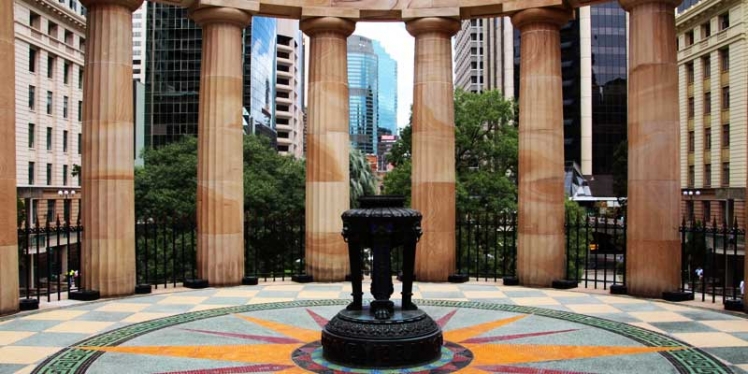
[[28, 304], [458, 278], [196, 283], [618, 289], [735, 305], [141, 289], [84, 295], [677, 296], [564, 284], [510, 281], [302, 278], [250, 280]]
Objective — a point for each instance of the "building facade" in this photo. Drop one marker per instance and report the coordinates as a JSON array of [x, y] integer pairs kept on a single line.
[[483, 55], [49, 55], [139, 42], [173, 58], [713, 92], [289, 86], [387, 98], [363, 91]]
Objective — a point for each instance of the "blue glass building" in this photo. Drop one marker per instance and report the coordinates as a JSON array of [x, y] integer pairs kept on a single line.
[[259, 69], [363, 93], [387, 98]]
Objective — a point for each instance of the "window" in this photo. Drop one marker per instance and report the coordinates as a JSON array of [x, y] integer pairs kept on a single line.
[[31, 173], [35, 20], [706, 30], [707, 139], [50, 210], [50, 103], [32, 94], [724, 59], [722, 211], [707, 175], [50, 67], [32, 59], [706, 207], [49, 174], [726, 97], [80, 143], [64, 107], [82, 44], [690, 107], [32, 129], [724, 21], [691, 176], [52, 29], [689, 209], [725, 136], [725, 174], [65, 141], [80, 78], [66, 209], [707, 103], [80, 111], [49, 138], [64, 175], [66, 72], [706, 62], [689, 73], [689, 38], [691, 142], [69, 37]]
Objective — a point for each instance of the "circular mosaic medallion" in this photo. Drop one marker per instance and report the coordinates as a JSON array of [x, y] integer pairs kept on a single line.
[[284, 338]]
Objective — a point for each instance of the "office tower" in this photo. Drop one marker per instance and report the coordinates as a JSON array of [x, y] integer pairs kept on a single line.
[[363, 88], [387, 98], [139, 41], [484, 56], [289, 87]]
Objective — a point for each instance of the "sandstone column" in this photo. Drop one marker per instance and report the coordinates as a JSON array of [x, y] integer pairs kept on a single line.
[[541, 244], [108, 203], [328, 140], [220, 188], [8, 239], [433, 177], [653, 243]]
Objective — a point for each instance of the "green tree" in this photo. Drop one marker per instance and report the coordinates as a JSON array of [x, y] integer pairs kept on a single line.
[[620, 174], [273, 184], [362, 179]]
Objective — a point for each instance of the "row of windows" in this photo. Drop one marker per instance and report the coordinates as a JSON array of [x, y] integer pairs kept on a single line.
[[708, 102], [708, 138], [706, 208], [706, 63], [50, 104], [67, 67], [725, 177], [50, 141], [723, 22], [35, 21], [49, 172]]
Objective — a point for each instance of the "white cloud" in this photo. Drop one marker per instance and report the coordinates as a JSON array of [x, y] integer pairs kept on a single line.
[[401, 46]]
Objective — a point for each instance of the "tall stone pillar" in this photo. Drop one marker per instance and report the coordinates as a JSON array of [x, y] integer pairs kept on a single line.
[[433, 177], [108, 202], [541, 244], [653, 257], [220, 181], [8, 235], [328, 141]]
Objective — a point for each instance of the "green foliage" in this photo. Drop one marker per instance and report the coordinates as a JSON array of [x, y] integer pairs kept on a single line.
[[578, 236], [486, 153], [362, 180], [273, 184], [620, 173]]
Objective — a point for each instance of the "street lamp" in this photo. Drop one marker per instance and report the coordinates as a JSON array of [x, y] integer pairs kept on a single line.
[[66, 195], [689, 204]]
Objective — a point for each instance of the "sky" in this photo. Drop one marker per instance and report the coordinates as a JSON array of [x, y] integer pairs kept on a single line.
[[400, 45]]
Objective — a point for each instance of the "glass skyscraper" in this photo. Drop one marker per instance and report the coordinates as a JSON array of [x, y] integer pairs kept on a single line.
[[174, 52], [387, 115], [363, 93]]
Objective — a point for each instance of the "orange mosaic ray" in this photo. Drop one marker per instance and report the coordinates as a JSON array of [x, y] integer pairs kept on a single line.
[[459, 335], [499, 354], [248, 353], [299, 333]]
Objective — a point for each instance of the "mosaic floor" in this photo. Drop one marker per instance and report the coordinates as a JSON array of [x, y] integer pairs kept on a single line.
[[275, 328]]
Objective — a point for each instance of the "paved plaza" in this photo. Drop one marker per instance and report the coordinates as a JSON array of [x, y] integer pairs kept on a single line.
[[275, 328]]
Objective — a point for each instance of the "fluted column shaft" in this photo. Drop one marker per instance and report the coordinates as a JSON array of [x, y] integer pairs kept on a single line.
[[220, 182], [541, 250], [328, 142], [108, 204], [8, 235], [433, 177], [653, 256]]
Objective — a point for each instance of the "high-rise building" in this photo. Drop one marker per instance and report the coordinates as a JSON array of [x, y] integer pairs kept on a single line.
[[289, 86], [172, 75], [49, 54], [713, 86], [363, 88], [387, 98], [139, 41], [483, 56]]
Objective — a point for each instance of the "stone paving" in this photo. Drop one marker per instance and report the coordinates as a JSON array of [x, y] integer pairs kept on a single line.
[[274, 327]]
